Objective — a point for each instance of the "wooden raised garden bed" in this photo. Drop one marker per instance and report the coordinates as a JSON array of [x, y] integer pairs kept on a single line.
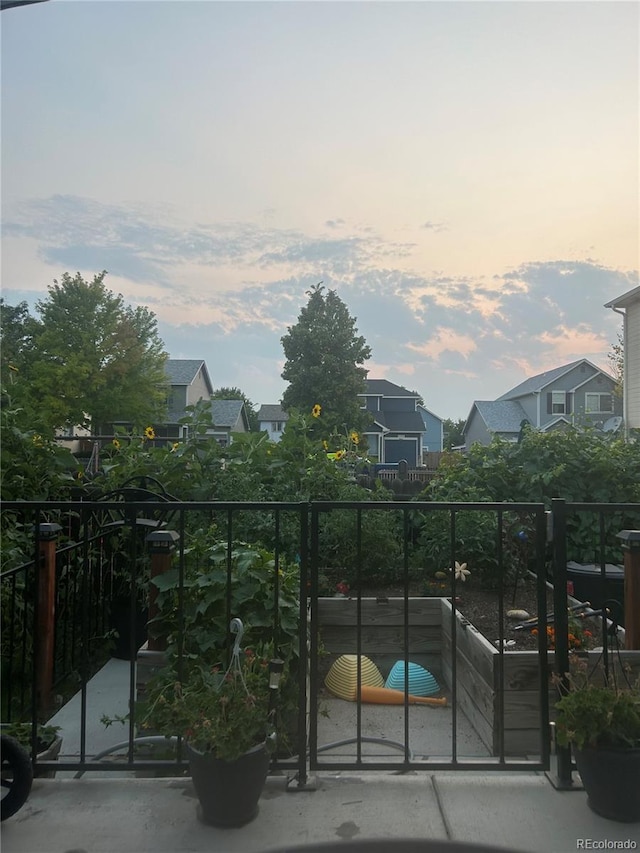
[[478, 670]]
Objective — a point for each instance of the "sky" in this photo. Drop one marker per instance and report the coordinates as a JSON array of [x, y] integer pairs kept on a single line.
[[463, 174]]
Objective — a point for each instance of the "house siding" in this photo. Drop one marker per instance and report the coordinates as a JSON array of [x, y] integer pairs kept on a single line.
[[632, 358], [198, 390], [477, 431]]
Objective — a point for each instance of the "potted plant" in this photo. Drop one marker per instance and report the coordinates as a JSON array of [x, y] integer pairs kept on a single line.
[[602, 724], [226, 721]]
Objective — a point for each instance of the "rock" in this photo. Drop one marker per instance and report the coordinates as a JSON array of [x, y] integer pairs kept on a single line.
[[441, 575], [517, 615]]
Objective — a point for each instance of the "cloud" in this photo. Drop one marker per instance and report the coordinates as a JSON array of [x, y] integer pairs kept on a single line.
[[445, 340], [434, 226]]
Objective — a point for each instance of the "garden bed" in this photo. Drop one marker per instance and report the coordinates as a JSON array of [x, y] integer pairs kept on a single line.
[[480, 670]]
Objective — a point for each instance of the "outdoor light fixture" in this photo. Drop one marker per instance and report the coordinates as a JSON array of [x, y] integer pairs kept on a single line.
[[276, 666], [162, 541]]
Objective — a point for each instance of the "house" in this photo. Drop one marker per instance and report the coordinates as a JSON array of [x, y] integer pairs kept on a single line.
[[228, 416], [272, 419], [629, 306], [576, 393], [433, 435], [189, 382], [397, 429]]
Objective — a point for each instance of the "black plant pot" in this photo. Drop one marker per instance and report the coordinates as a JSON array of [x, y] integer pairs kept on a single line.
[[228, 791], [120, 621], [611, 778]]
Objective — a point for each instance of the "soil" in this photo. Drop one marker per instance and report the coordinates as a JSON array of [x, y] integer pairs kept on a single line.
[[480, 606]]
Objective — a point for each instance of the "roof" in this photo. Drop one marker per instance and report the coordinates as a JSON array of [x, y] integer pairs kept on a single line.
[[429, 412], [272, 412], [399, 421], [502, 416], [384, 388], [225, 413], [626, 299], [541, 380], [182, 371]]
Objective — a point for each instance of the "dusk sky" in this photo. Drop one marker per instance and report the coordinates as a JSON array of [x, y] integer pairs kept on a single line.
[[463, 174]]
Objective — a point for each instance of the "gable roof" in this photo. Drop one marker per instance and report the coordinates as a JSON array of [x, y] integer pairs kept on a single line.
[[501, 416], [429, 412], [272, 412], [182, 371], [384, 388], [542, 380], [225, 413], [626, 299]]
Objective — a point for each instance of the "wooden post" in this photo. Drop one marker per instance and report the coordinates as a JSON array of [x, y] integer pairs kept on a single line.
[[162, 546], [631, 547], [45, 612]]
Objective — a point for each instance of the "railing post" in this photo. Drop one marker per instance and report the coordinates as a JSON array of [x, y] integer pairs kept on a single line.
[[631, 547], [563, 776], [161, 545], [45, 615]]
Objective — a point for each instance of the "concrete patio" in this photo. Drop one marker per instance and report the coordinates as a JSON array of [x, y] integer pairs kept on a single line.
[[104, 812]]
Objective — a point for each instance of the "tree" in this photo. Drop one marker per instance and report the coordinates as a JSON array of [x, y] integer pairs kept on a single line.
[[324, 356], [92, 360], [453, 433], [236, 394], [616, 360]]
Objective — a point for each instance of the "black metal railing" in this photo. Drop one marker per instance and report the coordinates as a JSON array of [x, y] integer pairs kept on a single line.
[[106, 543]]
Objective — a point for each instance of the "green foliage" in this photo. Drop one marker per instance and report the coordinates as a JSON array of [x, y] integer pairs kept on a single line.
[[579, 466], [324, 355], [90, 360], [596, 715], [220, 712], [204, 597], [453, 432]]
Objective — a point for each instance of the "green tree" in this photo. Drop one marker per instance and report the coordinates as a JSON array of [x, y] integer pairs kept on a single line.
[[236, 394], [453, 433], [16, 332], [616, 360], [93, 360], [324, 358]]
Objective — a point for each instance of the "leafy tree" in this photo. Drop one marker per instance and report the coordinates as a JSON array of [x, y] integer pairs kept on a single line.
[[616, 360], [453, 433], [16, 332], [236, 394], [324, 356], [92, 360]]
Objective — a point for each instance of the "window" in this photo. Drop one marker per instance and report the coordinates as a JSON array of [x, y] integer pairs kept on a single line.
[[558, 402], [276, 426], [598, 403]]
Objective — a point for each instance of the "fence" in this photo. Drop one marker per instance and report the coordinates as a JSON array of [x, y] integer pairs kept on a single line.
[[67, 594]]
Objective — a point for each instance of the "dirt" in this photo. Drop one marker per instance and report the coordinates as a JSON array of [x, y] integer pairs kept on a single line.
[[481, 607]]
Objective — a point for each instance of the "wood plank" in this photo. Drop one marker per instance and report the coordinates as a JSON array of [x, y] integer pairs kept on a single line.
[[339, 639], [472, 651], [470, 680], [466, 704], [343, 611]]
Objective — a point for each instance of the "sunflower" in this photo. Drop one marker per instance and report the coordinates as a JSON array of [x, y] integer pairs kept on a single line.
[[317, 409], [339, 454], [355, 438], [149, 433], [116, 443]]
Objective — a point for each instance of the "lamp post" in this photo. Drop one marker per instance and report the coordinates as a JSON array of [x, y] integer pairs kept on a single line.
[[631, 547], [161, 546]]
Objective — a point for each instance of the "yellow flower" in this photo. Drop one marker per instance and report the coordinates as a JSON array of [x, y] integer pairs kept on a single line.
[[315, 412], [355, 438], [175, 446], [149, 433], [325, 444], [116, 443], [339, 454]]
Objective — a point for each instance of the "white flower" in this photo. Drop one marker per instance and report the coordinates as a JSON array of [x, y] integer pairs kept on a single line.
[[461, 571]]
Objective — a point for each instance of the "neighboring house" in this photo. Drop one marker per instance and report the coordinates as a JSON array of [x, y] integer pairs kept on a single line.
[[629, 306], [272, 419], [433, 435], [397, 429], [576, 393], [190, 382], [228, 416]]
